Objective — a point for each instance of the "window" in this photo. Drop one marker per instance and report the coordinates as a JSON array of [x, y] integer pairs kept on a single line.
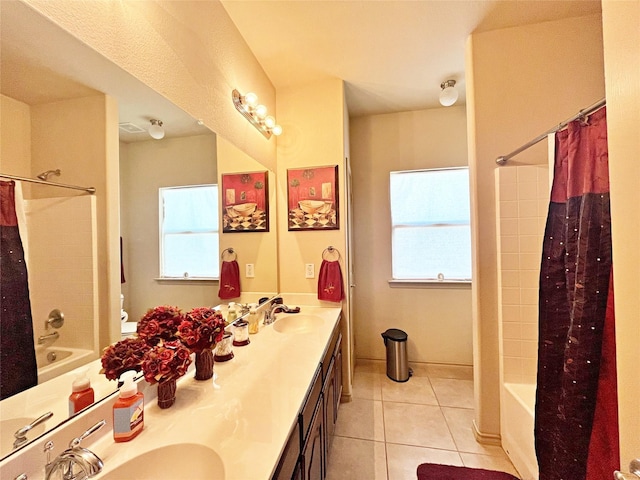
[[189, 232], [431, 235]]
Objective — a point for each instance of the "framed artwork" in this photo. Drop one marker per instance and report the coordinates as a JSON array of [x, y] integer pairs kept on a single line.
[[245, 202], [312, 196]]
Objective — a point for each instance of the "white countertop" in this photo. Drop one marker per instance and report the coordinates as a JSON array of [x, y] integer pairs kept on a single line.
[[245, 416]]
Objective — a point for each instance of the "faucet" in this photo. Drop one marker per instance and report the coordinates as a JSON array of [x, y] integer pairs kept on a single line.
[[270, 314], [21, 434], [44, 338], [76, 463]]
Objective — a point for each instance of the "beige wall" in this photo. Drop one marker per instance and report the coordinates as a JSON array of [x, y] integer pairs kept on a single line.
[[520, 82], [15, 138], [436, 318], [189, 51], [257, 248], [145, 167], [622, 71]]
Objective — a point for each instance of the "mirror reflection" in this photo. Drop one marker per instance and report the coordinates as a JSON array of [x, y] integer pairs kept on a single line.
[[61, 104]]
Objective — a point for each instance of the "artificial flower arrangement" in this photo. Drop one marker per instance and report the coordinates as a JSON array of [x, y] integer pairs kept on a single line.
[[124, 355], [168, 360], [201, 329], [165, 339]]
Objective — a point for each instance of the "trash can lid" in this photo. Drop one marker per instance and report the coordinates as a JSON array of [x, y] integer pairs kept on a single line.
[[395, 334]]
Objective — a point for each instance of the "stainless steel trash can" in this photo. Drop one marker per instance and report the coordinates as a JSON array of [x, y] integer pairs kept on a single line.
[[395, 341]]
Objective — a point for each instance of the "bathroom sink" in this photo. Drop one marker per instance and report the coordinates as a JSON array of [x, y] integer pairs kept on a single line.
[[182, 460], [296, 323]]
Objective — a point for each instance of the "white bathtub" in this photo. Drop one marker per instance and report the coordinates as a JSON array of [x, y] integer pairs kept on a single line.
[[517, 417], [53, 361]]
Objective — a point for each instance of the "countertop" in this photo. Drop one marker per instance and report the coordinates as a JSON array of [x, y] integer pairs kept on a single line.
[[246, 414]]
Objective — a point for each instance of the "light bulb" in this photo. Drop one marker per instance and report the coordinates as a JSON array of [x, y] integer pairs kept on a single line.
[[449, 94], [276, 130], [269, 121], [261, 111], [155, 130], [250, 99]]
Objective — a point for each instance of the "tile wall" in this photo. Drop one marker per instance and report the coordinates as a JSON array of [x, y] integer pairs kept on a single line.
[[523, 199], [62, 266]]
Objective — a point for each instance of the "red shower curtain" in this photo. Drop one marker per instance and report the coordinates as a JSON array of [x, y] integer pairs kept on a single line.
[[576, 432], [18, 369]]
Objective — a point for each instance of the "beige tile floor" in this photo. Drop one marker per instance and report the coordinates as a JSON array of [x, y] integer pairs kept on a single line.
[[389, 428]]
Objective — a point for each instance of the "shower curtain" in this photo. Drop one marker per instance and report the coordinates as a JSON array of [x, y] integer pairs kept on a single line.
[[18, 370], [576, 432]]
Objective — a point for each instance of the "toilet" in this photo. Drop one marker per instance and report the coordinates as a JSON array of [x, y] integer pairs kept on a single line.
[[127, 329]]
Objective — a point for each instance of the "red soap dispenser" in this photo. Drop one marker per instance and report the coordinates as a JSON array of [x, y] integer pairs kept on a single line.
[[81, 394]]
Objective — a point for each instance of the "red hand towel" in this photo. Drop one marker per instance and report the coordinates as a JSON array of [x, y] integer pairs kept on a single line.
[[330, 282], [229, 280]]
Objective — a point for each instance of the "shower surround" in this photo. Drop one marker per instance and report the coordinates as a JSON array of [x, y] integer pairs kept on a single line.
[[522, 206]]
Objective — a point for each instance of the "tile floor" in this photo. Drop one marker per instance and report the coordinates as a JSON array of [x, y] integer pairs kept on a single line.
[[389, 428]]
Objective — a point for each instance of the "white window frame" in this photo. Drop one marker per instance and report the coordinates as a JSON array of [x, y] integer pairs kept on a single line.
[[428, 281], [161, 234]]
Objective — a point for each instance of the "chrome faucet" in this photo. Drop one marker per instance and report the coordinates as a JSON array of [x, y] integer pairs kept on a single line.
[[270, 314], [21, 434], [44, 338], [76, 463]]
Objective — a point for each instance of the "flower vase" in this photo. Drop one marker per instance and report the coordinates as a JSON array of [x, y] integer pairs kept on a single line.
[[166, 393], [204, 364]]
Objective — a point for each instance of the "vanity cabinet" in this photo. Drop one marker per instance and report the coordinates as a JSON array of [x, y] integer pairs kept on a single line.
[[305, 455]]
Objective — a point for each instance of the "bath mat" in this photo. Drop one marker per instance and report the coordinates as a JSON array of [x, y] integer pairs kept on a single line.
[[432, 471]]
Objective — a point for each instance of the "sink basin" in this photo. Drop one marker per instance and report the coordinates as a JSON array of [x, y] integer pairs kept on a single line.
[[182, 460], [297, 323]]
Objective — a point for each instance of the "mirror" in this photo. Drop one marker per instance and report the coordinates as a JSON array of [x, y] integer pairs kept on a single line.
[[41, 75]]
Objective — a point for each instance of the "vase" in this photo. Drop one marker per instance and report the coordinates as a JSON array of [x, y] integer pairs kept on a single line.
[[166, 393], [204, 364]]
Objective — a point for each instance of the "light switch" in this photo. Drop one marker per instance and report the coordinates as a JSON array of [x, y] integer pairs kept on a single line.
[[249, 271], [309, 271]]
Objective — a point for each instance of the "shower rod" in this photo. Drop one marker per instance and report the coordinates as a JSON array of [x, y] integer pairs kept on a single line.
[[45, 182], [581, 114]]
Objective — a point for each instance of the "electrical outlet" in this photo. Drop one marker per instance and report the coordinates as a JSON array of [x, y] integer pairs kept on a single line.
[[309, 270], [249, 271]]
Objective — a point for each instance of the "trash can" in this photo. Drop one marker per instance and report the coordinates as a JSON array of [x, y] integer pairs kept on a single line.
[[395, 341]]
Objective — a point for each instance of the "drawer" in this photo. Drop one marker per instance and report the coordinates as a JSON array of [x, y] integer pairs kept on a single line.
[[329, 352]]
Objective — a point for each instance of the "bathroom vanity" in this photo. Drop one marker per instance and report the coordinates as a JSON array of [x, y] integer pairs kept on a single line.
[[269, 414]]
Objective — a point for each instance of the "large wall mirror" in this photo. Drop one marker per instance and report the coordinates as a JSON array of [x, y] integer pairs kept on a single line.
[[61, 106]]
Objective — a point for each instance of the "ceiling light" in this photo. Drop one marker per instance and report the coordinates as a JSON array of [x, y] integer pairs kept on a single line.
[[155, 130], [449, 94], [255, 113]]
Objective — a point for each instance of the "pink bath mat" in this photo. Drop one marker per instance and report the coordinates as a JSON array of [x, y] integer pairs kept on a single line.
[[432, 471]]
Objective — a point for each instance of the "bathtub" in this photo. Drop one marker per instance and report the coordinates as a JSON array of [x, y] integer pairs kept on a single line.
[[53, 361], [516, 425]]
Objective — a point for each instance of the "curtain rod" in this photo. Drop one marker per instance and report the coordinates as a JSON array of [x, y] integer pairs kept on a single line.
[[51, 184], [582, 113]]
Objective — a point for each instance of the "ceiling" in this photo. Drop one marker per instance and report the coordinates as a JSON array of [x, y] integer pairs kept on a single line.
[[392, 54]]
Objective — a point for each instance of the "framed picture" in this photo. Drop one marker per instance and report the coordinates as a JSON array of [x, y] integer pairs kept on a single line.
[[312, 195], [245, 202]]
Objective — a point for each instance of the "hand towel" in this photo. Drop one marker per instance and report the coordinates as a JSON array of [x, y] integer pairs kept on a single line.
[[229, 280], [330, 282]]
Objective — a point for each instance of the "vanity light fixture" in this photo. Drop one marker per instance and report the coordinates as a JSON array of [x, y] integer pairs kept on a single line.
[[448, 94], [155, 130], [250, 109]]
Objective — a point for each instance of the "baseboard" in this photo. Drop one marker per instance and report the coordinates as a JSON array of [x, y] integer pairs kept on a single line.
[[486, 438]]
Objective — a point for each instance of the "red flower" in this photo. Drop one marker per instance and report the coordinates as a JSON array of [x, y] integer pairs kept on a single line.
[[124, 355], [160, 323], [166, 361], [201, 329]]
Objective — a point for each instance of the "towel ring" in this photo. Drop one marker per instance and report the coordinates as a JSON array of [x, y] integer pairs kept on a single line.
[[330, 251], [230, 251]]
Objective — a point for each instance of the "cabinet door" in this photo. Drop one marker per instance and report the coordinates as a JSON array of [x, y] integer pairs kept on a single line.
[[329, 393], [313, 451]]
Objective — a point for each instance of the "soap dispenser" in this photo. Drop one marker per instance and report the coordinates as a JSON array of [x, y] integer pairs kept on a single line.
[[128, 410], [254, 320], [81, 393], [232, 315]]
